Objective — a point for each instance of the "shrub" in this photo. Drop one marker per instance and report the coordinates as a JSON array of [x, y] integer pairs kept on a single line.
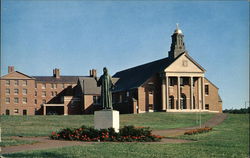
[[126, 134], [198, 130]]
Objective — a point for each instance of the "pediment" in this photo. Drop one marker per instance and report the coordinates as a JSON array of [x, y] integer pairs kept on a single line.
[[16, 75], [184, 64]]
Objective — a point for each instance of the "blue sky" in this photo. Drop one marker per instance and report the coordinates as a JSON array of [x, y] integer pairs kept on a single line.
[[77, 36]]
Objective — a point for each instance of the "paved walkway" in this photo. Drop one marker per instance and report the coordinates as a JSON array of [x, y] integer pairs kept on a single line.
[[215, 120], [46, 143]]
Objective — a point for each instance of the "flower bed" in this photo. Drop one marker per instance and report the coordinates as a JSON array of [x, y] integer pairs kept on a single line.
[[126, 134], [199, 130]]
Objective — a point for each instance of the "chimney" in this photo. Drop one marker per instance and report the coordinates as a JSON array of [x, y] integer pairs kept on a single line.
[[56, 73], [92, 73], [10, 69]]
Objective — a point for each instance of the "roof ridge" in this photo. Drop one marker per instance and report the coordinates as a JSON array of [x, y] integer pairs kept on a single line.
[[140, 65]]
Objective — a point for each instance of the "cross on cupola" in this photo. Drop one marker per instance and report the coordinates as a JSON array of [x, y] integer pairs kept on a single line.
[[177, 45]]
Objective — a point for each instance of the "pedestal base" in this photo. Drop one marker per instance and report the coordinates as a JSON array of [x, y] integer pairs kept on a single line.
[[105, 119]]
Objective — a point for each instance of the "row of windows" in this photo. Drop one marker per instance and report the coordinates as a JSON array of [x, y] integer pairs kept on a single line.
[[16, 82], [43, 101], [16, 91], [25, 92], [16, 111], [44, 93], [16, 100], [25, 100], [52, 85], [25, 83]]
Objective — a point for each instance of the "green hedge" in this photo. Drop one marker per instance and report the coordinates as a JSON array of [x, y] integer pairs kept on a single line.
[[125, 134]]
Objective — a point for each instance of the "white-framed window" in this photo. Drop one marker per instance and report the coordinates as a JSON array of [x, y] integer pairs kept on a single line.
[[52, 85], [16, 91], [16, 83], [43, 85], [25, 91], [35, 101], [206, 106], [55, 85], [35, 93], [35, 85], [25, 83], [7, 82], [7, 100], [206, 89], [24, 100], [16, 100], [43, 94], [7, 91], [16, 111]]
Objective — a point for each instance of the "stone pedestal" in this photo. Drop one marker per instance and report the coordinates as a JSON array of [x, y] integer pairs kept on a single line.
[[105, 119]]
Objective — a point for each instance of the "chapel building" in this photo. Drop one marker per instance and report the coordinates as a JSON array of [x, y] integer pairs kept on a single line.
[[176, 83]]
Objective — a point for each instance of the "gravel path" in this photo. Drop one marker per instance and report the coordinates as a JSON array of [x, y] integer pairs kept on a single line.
[[46, 143]]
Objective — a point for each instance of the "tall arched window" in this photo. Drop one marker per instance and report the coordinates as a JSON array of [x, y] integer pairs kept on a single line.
[[171, 102], [183, 101]]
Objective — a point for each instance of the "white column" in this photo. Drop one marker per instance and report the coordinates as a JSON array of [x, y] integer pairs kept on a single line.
[[163, 93], [203, 93], [167, 93], [44, 109], [199, 93], [65, 110], [178, 92], [191, 93]]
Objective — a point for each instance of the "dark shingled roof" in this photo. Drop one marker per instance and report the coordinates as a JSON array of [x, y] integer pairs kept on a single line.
[[136, 76], [89, 85], [62, 79]]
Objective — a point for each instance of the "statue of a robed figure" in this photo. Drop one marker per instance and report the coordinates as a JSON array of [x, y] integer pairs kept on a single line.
[[107, 117], [106, 89]]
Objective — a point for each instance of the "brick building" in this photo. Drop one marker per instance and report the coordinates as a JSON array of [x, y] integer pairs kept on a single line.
[[43, 95], [176, 83]]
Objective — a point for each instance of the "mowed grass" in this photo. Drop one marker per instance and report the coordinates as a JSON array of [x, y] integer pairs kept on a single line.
[[229, 139], [44, 125]]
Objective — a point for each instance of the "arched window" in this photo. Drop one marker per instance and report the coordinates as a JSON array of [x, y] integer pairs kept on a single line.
[[183, 101], [171, 102]]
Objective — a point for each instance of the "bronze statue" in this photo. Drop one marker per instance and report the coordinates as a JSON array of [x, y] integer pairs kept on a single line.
[[106, 86]]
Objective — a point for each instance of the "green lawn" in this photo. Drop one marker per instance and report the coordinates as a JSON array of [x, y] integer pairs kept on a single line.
[[44, 125], [230, 139]]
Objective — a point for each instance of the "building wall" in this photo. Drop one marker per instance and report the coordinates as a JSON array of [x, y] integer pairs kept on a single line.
[[21, 105], [88, 103], [58, 89], [212, 99]]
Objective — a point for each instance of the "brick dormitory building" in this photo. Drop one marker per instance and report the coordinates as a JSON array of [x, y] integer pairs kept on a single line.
[[176, 83]]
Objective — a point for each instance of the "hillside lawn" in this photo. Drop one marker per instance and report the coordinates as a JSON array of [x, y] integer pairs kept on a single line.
[[229, 139]]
